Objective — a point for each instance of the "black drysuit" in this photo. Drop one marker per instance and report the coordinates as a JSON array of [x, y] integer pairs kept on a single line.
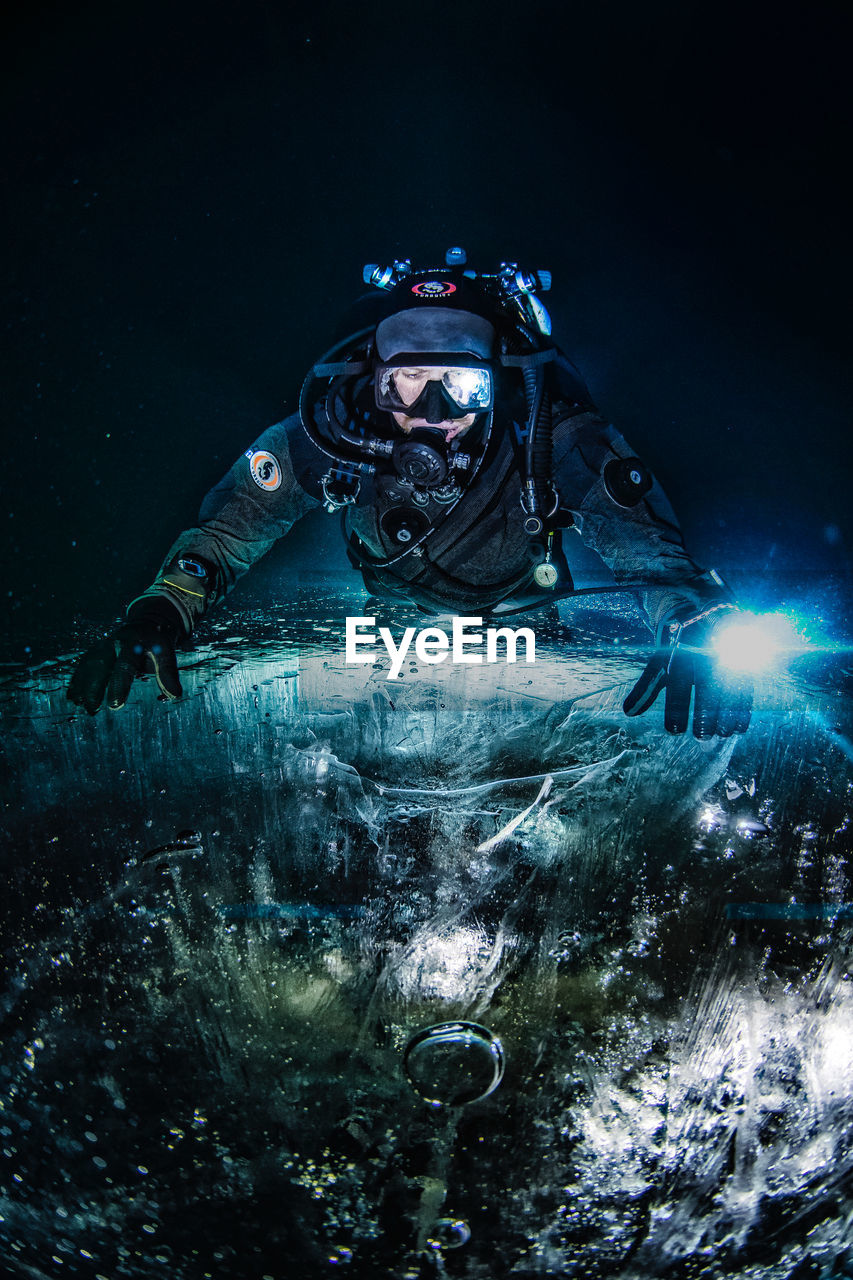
[[477, 558]]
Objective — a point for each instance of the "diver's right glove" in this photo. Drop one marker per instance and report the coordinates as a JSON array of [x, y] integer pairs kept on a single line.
[[144, 644], [686, 661]]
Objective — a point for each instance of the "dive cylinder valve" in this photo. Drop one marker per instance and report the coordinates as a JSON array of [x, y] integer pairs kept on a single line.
[[514, 281], [521, 287], [387, 277]]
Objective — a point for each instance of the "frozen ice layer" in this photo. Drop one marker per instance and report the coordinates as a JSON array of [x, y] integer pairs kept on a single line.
[[253, 936]]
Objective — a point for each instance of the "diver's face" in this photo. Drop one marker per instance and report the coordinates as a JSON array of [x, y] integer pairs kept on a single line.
[[410, 383]]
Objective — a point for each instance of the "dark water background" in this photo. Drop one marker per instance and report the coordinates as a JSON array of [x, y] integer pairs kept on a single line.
[[191, 191]]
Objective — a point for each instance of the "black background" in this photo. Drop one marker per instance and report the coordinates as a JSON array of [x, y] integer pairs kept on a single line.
[[191, 192]]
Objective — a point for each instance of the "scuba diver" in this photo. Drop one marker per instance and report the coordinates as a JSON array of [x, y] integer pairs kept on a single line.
[[470, 466]]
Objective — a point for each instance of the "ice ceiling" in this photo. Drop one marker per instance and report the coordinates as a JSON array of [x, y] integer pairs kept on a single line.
[[464, 974]]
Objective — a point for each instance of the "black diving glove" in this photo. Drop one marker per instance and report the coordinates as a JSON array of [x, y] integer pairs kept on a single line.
[[686, 661], [145, 643]]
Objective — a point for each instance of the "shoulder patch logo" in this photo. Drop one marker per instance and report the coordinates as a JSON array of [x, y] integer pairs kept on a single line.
[[265, 469]]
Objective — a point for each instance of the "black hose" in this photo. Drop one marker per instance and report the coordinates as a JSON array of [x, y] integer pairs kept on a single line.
[[543, 443], [540, 441], [340, 444]]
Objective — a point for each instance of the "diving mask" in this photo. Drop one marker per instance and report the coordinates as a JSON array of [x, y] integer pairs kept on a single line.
[[421, 387]]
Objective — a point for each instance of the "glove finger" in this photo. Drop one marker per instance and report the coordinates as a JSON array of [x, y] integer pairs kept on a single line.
[[165, 663], [745, 715], [120, 682], [89, 680], [130, 663], [733, 705], [708, 702], [647, 688], [679, 686], [742, 708]]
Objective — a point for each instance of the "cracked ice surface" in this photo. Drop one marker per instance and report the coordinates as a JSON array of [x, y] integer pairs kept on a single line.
[[201, 1069]]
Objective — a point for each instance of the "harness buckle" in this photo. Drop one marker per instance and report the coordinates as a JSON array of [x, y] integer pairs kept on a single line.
[[340, 489]]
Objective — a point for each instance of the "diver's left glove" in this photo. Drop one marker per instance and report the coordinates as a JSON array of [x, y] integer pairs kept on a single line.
[[685, 662], [144, 644]]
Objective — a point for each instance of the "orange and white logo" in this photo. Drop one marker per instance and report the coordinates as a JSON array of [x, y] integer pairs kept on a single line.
[[265, 469], [433, 289]]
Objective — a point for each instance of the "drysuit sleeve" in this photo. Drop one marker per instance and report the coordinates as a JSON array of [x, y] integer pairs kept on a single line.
[[266, 491], [622, 514]]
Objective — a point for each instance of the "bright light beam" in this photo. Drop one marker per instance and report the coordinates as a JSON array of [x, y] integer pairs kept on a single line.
[[750, 643]]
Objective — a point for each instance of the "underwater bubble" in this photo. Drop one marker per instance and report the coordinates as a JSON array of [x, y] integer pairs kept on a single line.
[[452, 1063], [449, 1233]]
